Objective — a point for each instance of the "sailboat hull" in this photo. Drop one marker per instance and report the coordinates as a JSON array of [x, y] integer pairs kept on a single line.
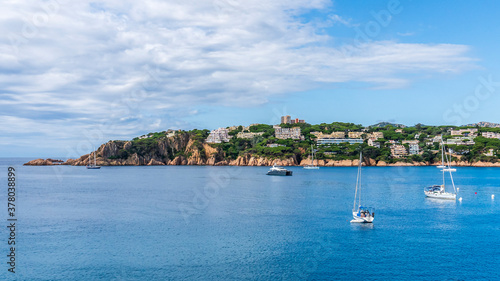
[[311, 167], [441, 195]]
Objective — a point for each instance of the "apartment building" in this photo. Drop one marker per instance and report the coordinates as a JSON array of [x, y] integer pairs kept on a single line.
[[323, 141], [287, 133], [218, 136], [398, 151]]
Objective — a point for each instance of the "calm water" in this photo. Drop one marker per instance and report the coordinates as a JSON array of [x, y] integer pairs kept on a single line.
[[236, 223]]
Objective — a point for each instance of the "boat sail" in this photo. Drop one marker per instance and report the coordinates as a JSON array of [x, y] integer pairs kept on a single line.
[[90, 165], [312, 166], [361, 213], [439, 191]]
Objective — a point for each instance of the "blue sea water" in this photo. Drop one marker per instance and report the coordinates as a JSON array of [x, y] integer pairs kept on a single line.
[[236, 223]]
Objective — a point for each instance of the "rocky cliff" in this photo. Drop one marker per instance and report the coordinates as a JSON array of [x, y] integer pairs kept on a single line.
[[181, 149]]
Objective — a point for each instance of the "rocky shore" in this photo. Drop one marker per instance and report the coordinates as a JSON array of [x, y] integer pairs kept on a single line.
[[240, 161]]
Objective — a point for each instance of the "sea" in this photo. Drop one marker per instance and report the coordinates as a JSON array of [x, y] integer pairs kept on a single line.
[[237, 223]]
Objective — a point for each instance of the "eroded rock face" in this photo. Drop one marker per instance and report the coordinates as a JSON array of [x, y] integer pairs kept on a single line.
[[110, 149], [43, 162], [154, 162], [486, 164]]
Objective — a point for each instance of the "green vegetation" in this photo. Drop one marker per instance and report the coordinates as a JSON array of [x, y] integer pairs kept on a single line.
[[150, 144]]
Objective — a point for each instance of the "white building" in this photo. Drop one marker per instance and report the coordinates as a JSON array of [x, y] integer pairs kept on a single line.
[[461, 140], [218, 136], [242, 135], [491, 135], [398, 150], [489, 153], [355, 135], [431, 141], [413, 146], [464, 132], [275, 145], [338, 141], [372, 142], [287, 133], [333, 135], [376, 135]]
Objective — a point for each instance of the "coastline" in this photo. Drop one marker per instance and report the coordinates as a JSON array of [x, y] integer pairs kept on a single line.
[[248, 161]]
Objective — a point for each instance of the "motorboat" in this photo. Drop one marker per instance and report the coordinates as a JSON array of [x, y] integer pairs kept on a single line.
[[278, 171]]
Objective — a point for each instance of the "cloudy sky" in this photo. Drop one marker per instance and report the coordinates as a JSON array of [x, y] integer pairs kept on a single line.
[[75, 74]]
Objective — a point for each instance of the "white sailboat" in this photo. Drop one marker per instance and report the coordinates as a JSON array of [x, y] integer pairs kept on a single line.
[[439, 191], [360, 213], [312, 166], [90, 165]]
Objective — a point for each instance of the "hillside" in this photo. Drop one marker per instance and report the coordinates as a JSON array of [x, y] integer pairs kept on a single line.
[[259, 145]]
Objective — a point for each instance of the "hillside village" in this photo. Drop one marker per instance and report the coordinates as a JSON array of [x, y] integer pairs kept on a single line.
[[386, 142], [290, 142]]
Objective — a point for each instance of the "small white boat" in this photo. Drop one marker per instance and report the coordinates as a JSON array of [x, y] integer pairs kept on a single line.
[[361, 213], [312, 166], [90, 165], [278, 171]]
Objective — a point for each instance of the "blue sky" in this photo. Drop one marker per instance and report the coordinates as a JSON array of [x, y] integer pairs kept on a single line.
[[75, 75]]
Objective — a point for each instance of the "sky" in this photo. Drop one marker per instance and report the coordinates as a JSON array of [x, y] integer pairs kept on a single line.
[[76, 74]]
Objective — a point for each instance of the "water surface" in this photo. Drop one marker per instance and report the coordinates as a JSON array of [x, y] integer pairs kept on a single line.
[[236, 223]]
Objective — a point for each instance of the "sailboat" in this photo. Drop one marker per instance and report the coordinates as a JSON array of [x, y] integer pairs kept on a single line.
[[360, 213], [90, 165], [312, 166], [439, 191]]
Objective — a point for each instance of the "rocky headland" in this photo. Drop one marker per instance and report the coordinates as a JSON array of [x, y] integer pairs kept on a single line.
[[189, 149]]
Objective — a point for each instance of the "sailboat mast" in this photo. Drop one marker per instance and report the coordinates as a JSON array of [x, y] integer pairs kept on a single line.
[[312, 154], [442, 160], [442, 152], [358, 183], [359, 168], [449, 170]]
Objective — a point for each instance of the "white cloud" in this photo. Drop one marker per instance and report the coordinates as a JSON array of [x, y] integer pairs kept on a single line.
[[119, 59]]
